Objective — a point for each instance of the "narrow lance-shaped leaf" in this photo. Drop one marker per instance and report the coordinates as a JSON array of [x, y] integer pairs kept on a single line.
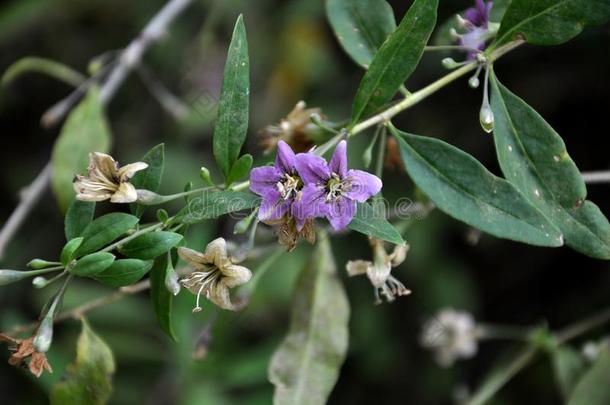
[[568, 366], [89, 379], [361, 26], [305, 368], [104, 230], [150, 245], [396, 59], [85, 131], [232, 123], [462, 187], [78, 217], [240, 168], [160, 296], [550, 22], [533, 157], [149, 178], [211, 205], [124, 272], [592, 389], [372, 222], [92, 264]]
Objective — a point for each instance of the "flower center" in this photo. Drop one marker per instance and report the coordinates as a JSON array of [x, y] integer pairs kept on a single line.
[[336, 188], [201, 281], [289, 186]]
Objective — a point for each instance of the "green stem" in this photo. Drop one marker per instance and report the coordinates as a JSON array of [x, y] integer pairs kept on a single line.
[[261, 270], [581, 327], [381, 153], [503, 332], [132, 237]]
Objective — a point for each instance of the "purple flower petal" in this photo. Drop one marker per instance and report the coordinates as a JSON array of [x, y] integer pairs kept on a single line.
[[285, 159], [363, 185], [479, 14], [338, 163], [312, 203], [341, 213], [273, 207], [312, 168], [264, 179]]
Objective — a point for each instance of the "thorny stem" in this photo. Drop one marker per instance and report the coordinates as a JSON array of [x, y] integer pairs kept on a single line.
[[130, 59]]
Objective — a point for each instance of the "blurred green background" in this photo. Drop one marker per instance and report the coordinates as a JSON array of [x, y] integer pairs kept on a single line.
[[294, 56]]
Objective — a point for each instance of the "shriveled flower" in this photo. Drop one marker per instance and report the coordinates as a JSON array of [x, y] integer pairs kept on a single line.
[[289, 235], [215, 273], [451, 335], [476, 23], [105, 180], [295, 129], [279, 185], [24, 352], [331, 190], [378, 271]]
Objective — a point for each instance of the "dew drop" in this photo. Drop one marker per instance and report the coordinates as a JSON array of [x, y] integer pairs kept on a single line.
[[579, 203], [537, 192], [556, 158], [243, 63], [510, 148]]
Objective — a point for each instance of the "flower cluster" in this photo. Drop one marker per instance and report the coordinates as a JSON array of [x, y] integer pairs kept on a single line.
[[305, 186], [475, 22]]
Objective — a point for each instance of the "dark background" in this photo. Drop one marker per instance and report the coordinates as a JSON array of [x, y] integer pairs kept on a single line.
[[295, 56]]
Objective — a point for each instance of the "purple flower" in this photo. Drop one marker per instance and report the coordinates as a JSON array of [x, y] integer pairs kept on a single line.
[[279, 185], [476, 23], [331, 190]]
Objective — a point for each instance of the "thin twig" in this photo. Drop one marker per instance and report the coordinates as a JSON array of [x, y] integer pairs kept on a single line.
[[128, 61], [29, 198], [596, 177]]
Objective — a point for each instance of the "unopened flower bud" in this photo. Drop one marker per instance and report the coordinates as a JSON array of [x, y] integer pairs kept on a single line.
[[162, 215], [449, 63], [12, 276], [171, 279], [204, 173], [147, 197], [486, 117], [38, 264], [243, 225], [474, 82], [40, 282]]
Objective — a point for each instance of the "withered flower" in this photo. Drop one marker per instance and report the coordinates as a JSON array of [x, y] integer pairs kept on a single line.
[[288, 233], [23, 349], [105, 180], [215, 273], [295, 130], [378, 271]]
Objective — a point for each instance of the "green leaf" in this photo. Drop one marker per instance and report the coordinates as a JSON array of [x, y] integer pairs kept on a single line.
[[361, 26], [67, 253], [160, 296], [232, 123], [305, 367], [49, 67], [396, 59], [372, 222], [84, 131], [92, 264], [78, 217], [550, 22], [240, 169], [214, 204], [568, 366], [124, 272], [149, 178], [150, 245], [508, 366], [463, 188], [88, 380], [592, 389], [104, 230], [534, 158]]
